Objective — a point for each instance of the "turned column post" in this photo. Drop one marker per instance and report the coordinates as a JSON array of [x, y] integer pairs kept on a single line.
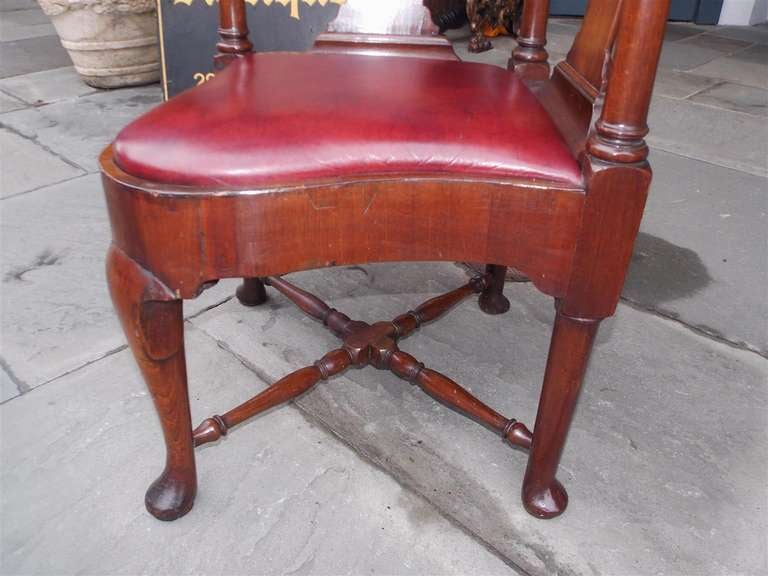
[[620, 131], [529, 59], [233, 32]]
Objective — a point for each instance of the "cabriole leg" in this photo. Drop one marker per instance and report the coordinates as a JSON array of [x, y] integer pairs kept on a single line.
[[153, 323], [492, 300], [251, 292], [572, 338]]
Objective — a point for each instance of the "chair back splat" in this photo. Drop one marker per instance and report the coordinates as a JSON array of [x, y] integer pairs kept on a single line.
[[380, 146], [390, 28]]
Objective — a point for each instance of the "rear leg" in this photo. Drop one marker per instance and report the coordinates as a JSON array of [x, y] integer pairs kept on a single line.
[[492, 300], [251, 292]]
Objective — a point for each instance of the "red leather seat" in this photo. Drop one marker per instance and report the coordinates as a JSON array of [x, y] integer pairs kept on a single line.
[[287, 117]]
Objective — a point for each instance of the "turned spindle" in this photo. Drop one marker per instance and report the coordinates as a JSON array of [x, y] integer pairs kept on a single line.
[[529, 59], [233, 32], [435, 307], [311, 305], [285, 389], [370, 345]]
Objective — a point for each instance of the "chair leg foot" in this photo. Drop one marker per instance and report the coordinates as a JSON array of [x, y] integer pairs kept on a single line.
[[251, 292], [153, 322], [170, 496], [547, 502], [572, 338], [492, 300]]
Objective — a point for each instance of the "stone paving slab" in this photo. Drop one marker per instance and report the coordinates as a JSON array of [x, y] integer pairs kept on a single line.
[[735, 97], [566, 26], [10, 103], [666, 461], [25, 165], [32, 55], [701, 253], [497, 56], [20, 24], [678, 31], [47, 86], [685, 56], [749, 67], [676, 84], [56, 310], [718, 136], [685, 493], [279, 497], [758, 33], [716, 42], [79, 129], [8, 387], [11, 5]]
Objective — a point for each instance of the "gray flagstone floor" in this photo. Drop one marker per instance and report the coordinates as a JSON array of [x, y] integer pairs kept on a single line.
[[667, 460]]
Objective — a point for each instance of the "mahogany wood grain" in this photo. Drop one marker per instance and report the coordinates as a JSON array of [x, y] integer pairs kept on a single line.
[[311, 305], [529, 58], [285, 389], [251, 292], [432, 47], [619, 132], [433, 308], [492, 300], [230, 234], [587, 58], [233, 32], [370, 345], [574, 241], [543, 495], [448, 392], [614, 162], [153, 323]]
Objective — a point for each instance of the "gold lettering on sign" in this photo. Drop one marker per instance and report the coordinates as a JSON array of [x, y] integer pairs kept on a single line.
[[294, 4], [202, 78]]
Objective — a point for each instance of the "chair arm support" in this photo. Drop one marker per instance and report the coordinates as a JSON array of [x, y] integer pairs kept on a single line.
[[620, 131]]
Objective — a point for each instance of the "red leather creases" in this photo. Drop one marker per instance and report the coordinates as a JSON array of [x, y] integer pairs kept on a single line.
[[274, 118]]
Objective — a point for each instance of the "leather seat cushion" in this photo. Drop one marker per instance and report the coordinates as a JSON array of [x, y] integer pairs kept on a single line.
[[277, 118]]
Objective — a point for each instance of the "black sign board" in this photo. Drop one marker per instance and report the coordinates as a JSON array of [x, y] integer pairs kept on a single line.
[[188, 33]]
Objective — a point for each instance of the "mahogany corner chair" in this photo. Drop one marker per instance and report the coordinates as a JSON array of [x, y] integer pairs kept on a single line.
[[384, 147]]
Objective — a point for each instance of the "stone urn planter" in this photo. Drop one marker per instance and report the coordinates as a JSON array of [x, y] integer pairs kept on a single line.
[[112, 43]]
